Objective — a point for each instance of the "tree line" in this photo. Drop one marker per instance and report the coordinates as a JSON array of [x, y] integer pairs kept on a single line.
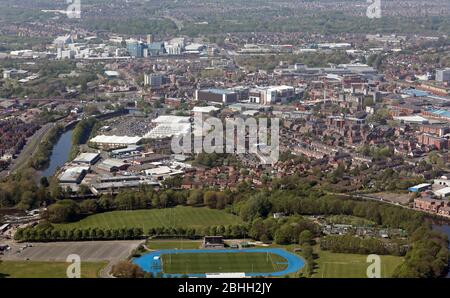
[[47, 232], [81, 134], [41, 158]]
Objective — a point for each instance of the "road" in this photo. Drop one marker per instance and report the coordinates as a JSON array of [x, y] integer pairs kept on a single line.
[[28, 150]]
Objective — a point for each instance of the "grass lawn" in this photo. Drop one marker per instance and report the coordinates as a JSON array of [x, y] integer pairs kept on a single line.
[[173, 244], [32, 269], [337, 265], [180, 216], [222, 262]]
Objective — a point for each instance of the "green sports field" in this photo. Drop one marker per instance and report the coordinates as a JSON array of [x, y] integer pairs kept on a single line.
[[32, 269], [221, 262], [151, 218], [337, 265]]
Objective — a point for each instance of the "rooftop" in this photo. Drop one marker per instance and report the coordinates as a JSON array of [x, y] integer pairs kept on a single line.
[[72, 173], [442, 192], [207, 109], [166, 130], [86, 157], [116, 140], [218, 91]]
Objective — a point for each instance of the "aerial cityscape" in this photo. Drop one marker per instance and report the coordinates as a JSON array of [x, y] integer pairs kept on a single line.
[[263, 139]]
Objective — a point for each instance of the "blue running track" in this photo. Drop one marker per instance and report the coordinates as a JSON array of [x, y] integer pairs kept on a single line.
[[149, 264]]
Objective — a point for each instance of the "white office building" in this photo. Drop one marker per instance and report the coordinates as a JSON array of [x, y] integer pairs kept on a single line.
[[443, 75]]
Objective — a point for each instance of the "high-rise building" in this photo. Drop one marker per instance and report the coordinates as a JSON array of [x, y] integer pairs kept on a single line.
[[271, 95], [156, 49], [173, 49], [136, 48], [153, 80], [443, 75], [150, 38]]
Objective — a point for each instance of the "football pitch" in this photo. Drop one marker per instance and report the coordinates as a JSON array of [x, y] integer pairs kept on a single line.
[[339, 265], [199, 262], [151, 218], [248, 262]]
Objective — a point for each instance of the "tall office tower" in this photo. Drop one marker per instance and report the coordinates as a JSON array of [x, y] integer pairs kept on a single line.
[[136, 48], [443, 75], [150, 38]]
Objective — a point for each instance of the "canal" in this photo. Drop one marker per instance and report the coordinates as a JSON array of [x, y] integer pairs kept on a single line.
[[60, 153]]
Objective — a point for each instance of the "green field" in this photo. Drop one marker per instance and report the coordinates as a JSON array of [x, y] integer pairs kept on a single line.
[[172, 244], [151, 218], [32, 269], [221, 262], [337, 265]]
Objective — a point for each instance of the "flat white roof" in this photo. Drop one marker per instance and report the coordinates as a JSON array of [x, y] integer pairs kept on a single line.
[[166, 130], [207, 109], [112, 73], [111, 162], [280, 88], [443, 191], [86, 157], [412, 119], [116, 140], [250, 112], [422, 185], [163, 170], [72, 173]]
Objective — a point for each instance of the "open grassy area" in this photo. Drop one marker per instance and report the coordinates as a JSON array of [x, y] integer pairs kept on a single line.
[[172, 244], [222, 262], [32, 269], [337, 265], [170, 217]]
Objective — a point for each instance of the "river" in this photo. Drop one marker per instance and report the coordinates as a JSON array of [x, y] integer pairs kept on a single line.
[[444, 228], [60, 153]]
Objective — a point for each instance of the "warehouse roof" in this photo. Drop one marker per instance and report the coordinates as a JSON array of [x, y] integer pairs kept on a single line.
[[442, 192], [412, 119], [73, 173], [207, 109], [86, 157], [166, 130], [116, 140]]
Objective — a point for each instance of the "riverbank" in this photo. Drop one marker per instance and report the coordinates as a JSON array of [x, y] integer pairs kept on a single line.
[[60, 153]]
